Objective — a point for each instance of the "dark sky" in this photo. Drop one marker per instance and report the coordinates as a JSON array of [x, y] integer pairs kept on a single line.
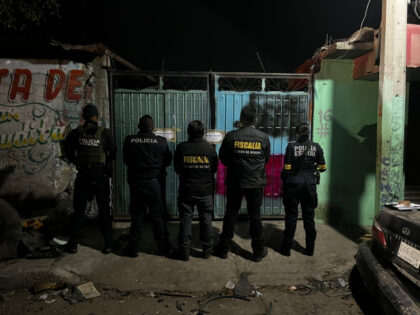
[[219, 35]]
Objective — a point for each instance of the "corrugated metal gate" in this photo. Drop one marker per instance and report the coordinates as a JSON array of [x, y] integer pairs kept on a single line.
[[173, 100], [279, 112]]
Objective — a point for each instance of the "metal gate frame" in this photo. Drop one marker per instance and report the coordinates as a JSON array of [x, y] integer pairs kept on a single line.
[[295, 82]]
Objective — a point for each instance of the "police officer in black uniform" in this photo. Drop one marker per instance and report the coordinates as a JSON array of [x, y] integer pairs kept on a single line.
[[92, 149], [245, 152], [145, 155], [195, 162], [301, 162]]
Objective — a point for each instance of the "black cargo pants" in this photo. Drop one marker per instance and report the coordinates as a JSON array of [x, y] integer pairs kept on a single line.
[[146, 194], [254, 197], [186, 204], [91, 182], [300, 188]]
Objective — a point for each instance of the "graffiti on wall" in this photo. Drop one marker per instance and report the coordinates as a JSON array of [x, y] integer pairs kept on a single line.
[[324, 117], [26, 130], [37, 106]]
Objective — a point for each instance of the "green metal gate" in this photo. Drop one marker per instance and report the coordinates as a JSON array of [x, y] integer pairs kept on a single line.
[[173, 100], [171, 110]]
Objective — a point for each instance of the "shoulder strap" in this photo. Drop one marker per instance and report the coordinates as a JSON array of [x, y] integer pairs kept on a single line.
[[99, 132], [80, 130]]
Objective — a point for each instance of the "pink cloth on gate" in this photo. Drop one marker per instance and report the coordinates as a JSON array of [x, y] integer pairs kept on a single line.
[[274, 183]]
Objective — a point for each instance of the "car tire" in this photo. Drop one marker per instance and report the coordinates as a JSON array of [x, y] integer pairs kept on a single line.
[[10, 230]]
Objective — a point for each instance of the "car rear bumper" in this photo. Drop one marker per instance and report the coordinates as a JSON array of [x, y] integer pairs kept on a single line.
[[383, 283]]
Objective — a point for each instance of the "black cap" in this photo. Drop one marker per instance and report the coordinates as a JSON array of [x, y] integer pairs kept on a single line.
[[303, 129], [90, 110], [195, 129]]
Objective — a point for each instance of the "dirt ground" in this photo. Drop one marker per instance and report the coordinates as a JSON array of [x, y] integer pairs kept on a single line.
[[273, 301], [151, 284], [322, 296]]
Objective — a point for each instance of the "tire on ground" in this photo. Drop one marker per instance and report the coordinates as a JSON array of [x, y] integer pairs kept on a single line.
[[10, 230]]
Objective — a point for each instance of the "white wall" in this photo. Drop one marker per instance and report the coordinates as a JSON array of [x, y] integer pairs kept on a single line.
[[36, 108]]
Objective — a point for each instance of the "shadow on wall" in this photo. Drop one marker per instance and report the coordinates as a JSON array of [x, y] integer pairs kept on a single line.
[[351, 163]]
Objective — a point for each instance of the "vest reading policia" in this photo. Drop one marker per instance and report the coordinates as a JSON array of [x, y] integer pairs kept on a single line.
[[90, 148]]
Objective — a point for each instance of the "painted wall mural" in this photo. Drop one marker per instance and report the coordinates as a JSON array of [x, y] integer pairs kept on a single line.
[[40, 101]]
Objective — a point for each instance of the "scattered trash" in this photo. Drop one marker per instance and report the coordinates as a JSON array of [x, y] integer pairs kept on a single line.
[[72, 294], [58, 241], [44, 252], [256, 293], [43, 297], [178, 306], [34, 223], [292, 288], [88, 290], [171, 294], [230, 285], [243, 287], [151, 294], [43, 286], [202, 312], [50, 301], [342, 282]]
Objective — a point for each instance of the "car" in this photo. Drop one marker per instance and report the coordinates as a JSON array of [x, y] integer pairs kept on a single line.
[[389, 264]]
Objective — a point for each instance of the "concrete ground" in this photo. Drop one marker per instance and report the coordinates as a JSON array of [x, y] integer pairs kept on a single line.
[[146, 285]]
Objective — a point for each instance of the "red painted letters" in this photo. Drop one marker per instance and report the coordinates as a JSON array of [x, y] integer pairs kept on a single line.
[[21, 81], [51, 92], [23, 90], [74, 82]]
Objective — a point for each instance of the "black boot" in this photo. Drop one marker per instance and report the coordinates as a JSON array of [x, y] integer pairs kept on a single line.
[[131, 251], [107, 248], [309, 250], [72, 246], [260, 254], [285, 248], [221, 251], [180, 254], [207, 251]]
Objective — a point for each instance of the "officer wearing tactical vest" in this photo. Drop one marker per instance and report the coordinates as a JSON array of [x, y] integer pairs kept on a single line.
[[92, 149], [245, 153], [146, 155], [301, 162], [195, 162]]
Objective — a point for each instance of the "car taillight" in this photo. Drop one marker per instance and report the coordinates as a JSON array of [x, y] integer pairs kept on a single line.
[[378, 234]]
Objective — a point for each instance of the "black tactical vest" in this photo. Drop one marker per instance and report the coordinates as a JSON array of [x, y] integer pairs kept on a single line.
[[90, 147]]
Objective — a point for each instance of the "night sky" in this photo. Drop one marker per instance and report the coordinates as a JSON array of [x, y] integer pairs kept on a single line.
[[218, 35]]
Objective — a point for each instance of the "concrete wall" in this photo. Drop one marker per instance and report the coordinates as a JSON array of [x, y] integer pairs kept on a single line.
[[344, 124], [38, 100]]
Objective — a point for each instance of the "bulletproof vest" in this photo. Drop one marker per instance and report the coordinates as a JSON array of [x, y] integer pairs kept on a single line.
[[90, 148]]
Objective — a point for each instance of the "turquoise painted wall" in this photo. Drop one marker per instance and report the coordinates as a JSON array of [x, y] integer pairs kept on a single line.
[[344, 124]]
